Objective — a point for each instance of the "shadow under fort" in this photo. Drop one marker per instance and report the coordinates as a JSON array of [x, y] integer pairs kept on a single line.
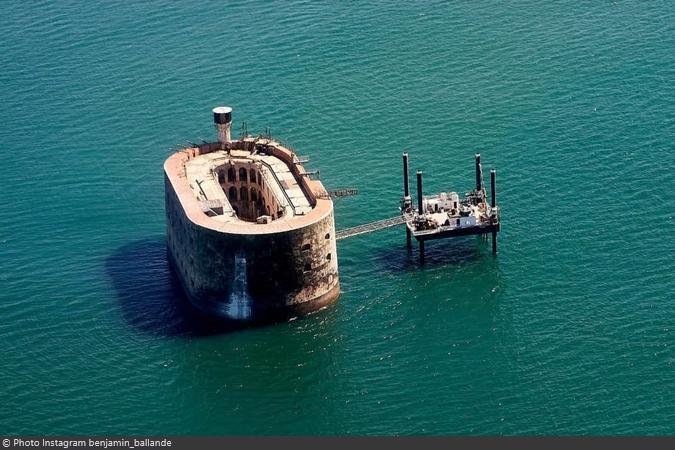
[[151, 297]]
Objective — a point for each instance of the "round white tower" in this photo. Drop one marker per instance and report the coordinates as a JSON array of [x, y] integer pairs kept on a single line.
[[222, 118]]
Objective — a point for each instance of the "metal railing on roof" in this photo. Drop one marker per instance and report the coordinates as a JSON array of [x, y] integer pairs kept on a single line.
[[281, 186]]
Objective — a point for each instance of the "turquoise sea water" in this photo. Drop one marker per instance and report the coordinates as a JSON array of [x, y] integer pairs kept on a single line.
[[570, 330]]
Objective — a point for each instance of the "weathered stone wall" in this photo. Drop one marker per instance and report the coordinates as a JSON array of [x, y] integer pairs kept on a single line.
[[253, 276]]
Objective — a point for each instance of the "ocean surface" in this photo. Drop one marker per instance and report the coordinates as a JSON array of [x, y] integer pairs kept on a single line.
[[570, 330]]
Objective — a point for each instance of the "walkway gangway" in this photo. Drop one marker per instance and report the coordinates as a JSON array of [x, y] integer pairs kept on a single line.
[[370, 227]]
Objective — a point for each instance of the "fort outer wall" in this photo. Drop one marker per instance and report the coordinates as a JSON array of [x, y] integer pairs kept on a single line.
[[246, 271]]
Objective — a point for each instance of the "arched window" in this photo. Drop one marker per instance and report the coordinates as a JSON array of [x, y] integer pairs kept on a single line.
[[232, 194], [328, 257], [254, 194], [308, 267], [252, 176], [306, 247], [327, 236], [242, 174], [221, 176], [243, 194], [231, 174]]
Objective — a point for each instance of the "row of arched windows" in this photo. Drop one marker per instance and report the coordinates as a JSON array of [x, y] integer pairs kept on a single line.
[[244, 175], [247, 201], [243, 194]]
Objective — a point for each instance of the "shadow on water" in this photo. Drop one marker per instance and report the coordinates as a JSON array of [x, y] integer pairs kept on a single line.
[[437, 253], [152, 300], [150, 296]]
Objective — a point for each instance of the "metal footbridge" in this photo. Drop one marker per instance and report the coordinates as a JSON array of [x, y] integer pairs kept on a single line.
[[369, 227]]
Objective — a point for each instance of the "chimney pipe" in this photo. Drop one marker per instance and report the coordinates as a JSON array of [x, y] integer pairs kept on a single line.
[[222, 119]]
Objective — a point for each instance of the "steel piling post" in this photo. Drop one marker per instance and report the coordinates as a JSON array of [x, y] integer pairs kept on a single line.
[[478, 180], [406, 183], [493, 203], [420, 208], [406, 193]]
